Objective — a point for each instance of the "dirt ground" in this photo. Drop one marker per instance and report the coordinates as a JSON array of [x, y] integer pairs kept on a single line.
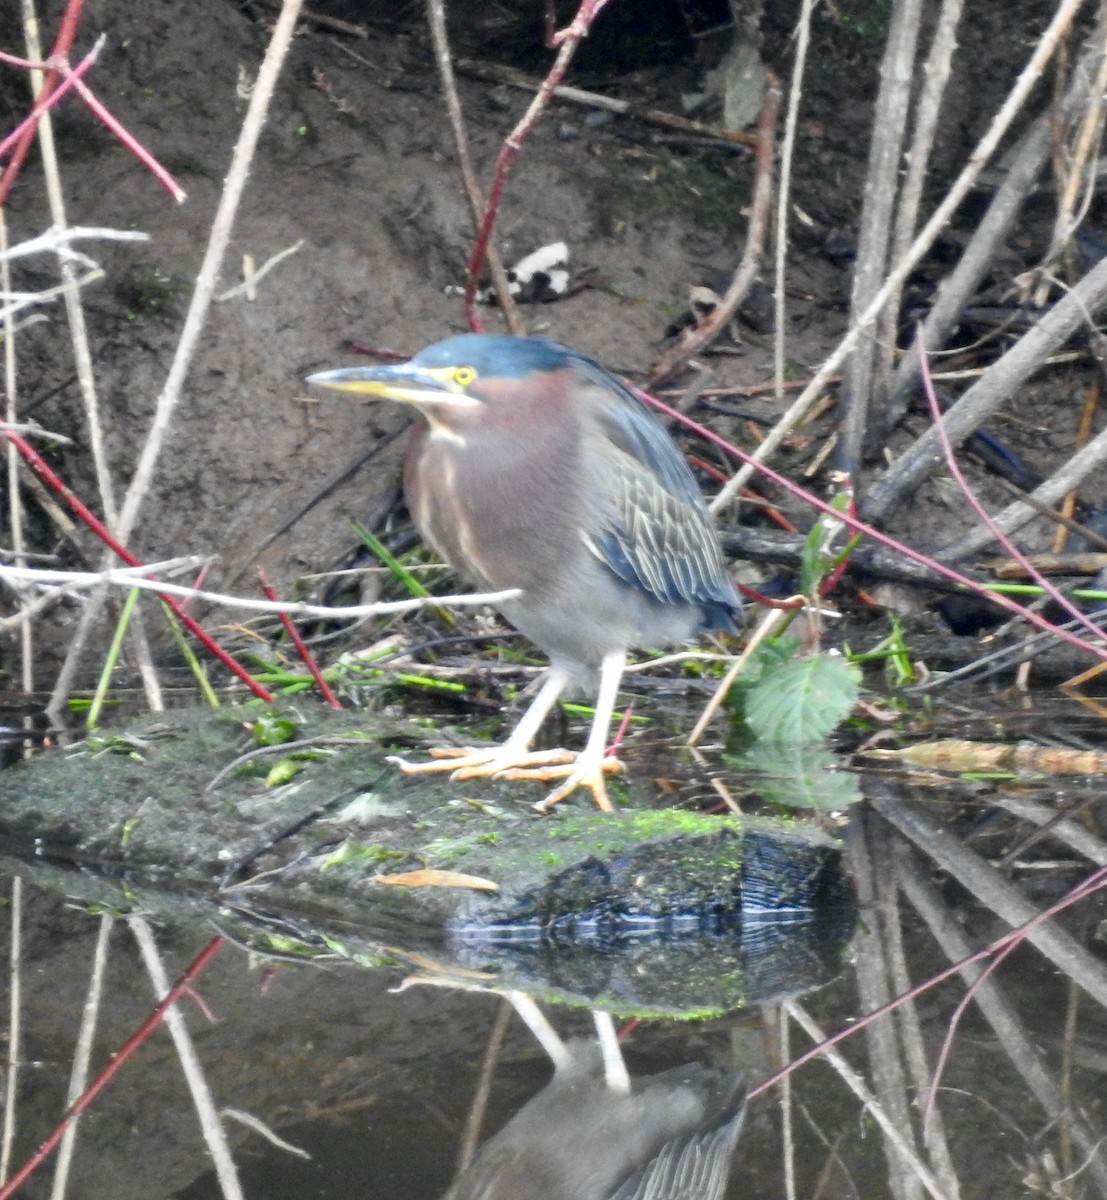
[[356, 169]]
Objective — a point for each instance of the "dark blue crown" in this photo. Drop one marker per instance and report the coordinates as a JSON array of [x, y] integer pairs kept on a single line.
[[496, 354]]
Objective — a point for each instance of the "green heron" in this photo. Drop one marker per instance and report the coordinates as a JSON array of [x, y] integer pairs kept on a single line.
[[669, 1136], [533, 468]]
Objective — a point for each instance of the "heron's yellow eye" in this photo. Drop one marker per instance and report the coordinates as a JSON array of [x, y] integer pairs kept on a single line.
[[463, 376]]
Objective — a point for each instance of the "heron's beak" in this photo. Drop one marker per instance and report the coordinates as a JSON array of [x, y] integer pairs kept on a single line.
[[404, 382]]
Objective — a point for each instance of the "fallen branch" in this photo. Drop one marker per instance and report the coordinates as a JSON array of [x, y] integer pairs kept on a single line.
[[497, 73]]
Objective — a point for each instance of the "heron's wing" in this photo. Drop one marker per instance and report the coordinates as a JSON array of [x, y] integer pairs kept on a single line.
[[649, 523], [694, 1168]]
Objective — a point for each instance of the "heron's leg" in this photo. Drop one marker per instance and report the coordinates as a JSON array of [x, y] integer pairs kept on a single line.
[[536, 1021], [591, 764], [473, 761], [614, 1067]]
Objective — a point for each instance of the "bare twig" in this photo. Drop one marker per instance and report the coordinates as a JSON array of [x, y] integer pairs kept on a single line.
[[1070, 475], [15, 1023], [498, 73], [215, 1136], [1044, 48], [436, 16], [568, 40], [935, 76], [986, 521], [82, 1052], [82, 355], [784, 195], [873, 246], [857, 1085], [696, 340], [58, 240], [120, 577]]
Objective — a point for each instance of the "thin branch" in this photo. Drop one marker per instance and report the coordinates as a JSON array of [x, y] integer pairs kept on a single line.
[[1043, 50], [126, 579], [82, 1052], [935, 77], [78, 332], [699, 338], [55, 240], [985, 518], [15, 1022], [1001, 380], [873, 244], [115, 1063], [568, 39], [436, 17], [784, 196], [215, 1136]]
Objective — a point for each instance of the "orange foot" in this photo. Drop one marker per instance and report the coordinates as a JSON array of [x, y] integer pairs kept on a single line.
[[506, 762]]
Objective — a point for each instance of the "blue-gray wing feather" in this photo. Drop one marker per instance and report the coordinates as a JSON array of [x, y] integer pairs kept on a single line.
[[653, 528]]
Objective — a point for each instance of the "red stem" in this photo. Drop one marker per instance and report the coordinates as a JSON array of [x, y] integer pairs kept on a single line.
[[1050, 590], [108, 1073], [1001, 945], [63, 44], [569, 39], [301, 646], [869, 531], [35, 460], [72, 80], [130, 141]]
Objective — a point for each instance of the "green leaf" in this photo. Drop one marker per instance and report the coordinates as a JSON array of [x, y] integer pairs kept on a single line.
[[273, 729], [802, 700], [797, 776], [282, 771], [768, 658], [817, 557]]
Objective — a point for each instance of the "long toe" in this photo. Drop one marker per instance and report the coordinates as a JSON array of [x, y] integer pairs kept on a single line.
[[511, 764], [585, 774], [452, 758]]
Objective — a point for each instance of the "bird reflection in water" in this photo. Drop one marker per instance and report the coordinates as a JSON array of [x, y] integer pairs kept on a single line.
[[594, 1133]]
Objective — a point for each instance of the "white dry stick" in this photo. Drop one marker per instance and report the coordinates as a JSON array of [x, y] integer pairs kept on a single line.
[[78, 333], [214, 1134], [128, 577], [784, 191], [202, 294], [263, 1130], [256, 276], [82, 1055], [57, 240], [15, 497], [1043, 51], [859, 1088], [15, 1022], [204, 290], [14, 302]]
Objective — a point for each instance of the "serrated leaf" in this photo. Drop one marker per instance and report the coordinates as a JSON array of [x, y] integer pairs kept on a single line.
[[803, 776], [802, 700]]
